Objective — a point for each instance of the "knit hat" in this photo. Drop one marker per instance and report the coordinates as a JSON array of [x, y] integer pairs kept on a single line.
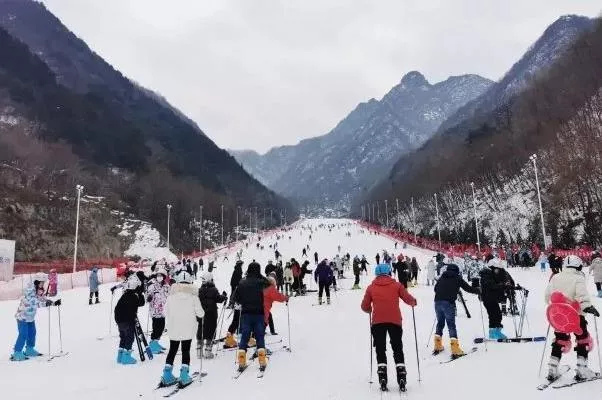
[[382, 269]]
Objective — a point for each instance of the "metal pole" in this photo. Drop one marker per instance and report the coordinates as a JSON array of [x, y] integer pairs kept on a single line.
[[256, 221], [237, 230], [416, 342], [438, 229], [201, 231], [79, 189], [387, 213], [168, 217], [414, 219], [398, 217], [378, 211], [476, 221], [543, 227], [222, 224], [271, 218]]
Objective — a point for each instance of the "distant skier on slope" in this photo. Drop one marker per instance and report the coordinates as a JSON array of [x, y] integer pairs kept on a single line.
[[382, 300], [571, 283], [596, 269]]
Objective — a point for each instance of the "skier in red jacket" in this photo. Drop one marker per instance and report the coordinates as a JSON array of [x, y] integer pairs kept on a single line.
[[382, 300]]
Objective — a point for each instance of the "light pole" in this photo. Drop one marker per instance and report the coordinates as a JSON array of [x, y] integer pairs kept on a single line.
[[237, 207], [271, 218], [256, 222], [378, 211], [201, 230], [168, 216], [222, 224], [79, 189], [373, 216], [476, 221], [438, 230], [387, 213], [414, 218], [250, 221], [398, 217], [543, 227]]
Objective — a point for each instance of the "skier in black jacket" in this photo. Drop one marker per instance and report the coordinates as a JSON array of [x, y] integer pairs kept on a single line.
[[446, 293], [249, 295], [126, 312], [210, 298], [269, 268], [494, 281], [235, 280]]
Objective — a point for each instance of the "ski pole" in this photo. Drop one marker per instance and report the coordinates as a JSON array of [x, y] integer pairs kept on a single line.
[[416, 343], [428, 343], [221, 325], [60, 330], [48, 331], [598, 340], [288, 317], [111, 312], [483, 322], [543, 353], [147, 319], [371, 348], [201, 354]]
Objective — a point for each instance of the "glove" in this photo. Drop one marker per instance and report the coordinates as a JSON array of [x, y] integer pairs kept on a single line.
[[48, 303], [591, 310], [113, 289], [57, 303]]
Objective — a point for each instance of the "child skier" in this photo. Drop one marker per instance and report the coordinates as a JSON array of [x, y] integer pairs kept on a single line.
[[596, 269], [210, 298], [571, 283], [33, 298], [446, 293], [270, 295], [52, 283], [382, 300], [182, 310], [93, 282], [126, 312], [157, 293]]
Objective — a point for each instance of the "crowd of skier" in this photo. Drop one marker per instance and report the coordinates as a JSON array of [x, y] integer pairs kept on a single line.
[[189, 313]]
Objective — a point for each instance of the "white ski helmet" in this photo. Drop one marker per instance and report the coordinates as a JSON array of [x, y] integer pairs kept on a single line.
[[207, 277], [182, 275], [573, 262], [132, 282], [161, 271], [493, 263]]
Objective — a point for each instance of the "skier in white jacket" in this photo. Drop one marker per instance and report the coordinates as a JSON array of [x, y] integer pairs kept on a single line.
[[571, 283], [431, 271], [595, 269], [182, 310]]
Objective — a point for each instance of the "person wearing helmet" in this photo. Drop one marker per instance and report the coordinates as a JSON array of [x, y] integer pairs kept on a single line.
[[33, 298], [494, 281], [182, 311], [126, 312], [156, 295], [571, 283], [93, 283], [595, 269], [381, 299], [210, 297]]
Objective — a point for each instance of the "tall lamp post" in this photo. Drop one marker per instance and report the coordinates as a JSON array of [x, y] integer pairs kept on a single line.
[[79, 189], [414, 219], [476, 220], [168, 217], [237, 230], [438, 229], [222, 224], [387, 213], [398, 216], [533, 158], [201, 230]]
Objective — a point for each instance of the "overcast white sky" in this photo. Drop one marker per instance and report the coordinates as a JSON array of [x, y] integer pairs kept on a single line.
[[255, 73]]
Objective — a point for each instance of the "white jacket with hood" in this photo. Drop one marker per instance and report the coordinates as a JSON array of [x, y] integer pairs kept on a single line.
[[572, 284], [182, 309]]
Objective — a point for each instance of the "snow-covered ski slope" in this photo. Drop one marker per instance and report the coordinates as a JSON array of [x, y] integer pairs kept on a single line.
[[330, 356]]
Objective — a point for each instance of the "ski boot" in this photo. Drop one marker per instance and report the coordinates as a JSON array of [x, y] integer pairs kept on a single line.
[[208, 353], [381, 372], [438, 345], [18, 356], [252, 342], [155, 347], [583, 371], [185, 378], [401, 376], [496, 333], [319, 300], [119, 355], [456, 350], [241, 357], [230, 341], [328, 300], [32, 352], [97, 301], [167, 379], [90, 301], [504, 310], [553, 373], [262, 358], [600, 293], [126, 358]]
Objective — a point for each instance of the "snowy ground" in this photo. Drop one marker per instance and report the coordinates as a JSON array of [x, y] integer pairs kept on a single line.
[[330, 356]]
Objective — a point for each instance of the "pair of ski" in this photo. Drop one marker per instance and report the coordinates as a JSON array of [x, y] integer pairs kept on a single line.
[[236, 348], [512, 340], [178, 386], [563, 370], [141, 342], [455, 357], [240, 371]]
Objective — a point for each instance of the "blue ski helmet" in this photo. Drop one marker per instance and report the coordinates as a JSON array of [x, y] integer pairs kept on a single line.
[[382, 269]]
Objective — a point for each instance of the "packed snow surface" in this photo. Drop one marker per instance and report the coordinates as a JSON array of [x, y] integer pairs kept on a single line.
[[330, 356]]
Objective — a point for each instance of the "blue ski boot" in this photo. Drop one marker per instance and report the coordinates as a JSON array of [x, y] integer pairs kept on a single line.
[[600, 293], [126, 358], [155, 347], [119, 355], [18, 356], [185, 378], [167, 379], [31, 352]]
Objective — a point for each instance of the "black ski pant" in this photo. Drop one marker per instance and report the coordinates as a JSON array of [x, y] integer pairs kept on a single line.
[[271, 324], [494, 313], [234, 325], [158, 327], [173, 350], [92, 294], [127, 334], [580, 348], [379, 334], [357, 280], [598, 286], [323, 287], [209, 326]]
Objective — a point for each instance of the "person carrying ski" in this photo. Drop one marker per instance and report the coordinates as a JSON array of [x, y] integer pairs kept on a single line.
[[571, 283], [32, 299], [270, 295], [381, 299], [235, 280], [156, 296], [446, 293], [53, 280], [356, 272], [210, 298], [323, 276], [182, 311], [494, 281], [250, 297], [126, 312], [93, 283], [595, 269]]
